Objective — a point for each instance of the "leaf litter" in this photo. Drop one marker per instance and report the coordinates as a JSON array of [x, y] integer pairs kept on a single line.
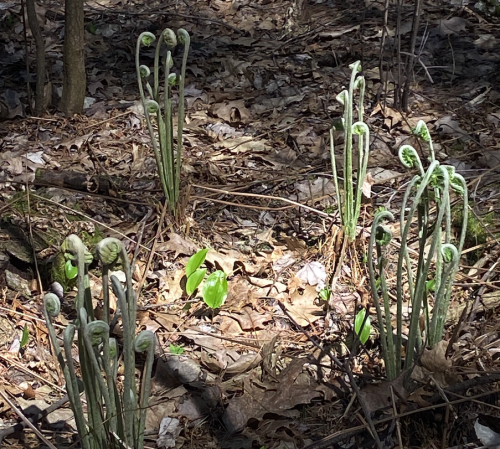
[[257, 125]]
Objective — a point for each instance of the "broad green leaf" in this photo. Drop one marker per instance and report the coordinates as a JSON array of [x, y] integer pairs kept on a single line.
[[215, 289], [365, 333], [358, 322], [195, 262], [25, 337], [70, 270], [430, 286], [194, 280]]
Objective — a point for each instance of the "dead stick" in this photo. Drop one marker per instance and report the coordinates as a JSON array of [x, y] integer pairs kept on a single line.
[[28, 422]]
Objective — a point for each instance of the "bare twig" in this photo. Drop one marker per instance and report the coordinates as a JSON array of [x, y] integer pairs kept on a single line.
[[266, 197], [26, 421]]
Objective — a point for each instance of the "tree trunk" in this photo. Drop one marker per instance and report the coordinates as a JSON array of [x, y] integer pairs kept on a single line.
[[40, 102], [74, 83]]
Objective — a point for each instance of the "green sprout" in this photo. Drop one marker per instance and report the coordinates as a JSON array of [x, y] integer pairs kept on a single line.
[[362, 326], [215, 288], [176, 349]]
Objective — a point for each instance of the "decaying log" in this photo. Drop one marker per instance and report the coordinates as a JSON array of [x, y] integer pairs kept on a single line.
[[80, 181]]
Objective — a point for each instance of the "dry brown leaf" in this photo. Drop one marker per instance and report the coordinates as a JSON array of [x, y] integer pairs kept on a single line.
[[302, 309], [167, 321], [435, 366], [251, 320], [378, 396], [177, 244], [275, 397]]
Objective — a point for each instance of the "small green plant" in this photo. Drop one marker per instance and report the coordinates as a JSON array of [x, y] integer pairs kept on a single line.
[[215, 288], [114, 419], [362, 326], [325, 293], [428, 188], [350, 203], [176, 349], [194, 273], [25, 337], [167, 155]]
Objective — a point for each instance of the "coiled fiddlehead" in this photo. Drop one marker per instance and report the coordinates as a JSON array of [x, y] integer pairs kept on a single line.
[[74, 250], [380, 236], [129, 393], [51, 309], [145, 341]]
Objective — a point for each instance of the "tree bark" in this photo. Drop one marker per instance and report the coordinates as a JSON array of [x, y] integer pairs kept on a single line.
[[75, 80], [40, 103]]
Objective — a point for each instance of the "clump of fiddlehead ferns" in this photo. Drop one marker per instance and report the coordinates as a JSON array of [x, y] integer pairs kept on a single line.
[[350, 203], [114, 419], [167, 155], [437, 261]]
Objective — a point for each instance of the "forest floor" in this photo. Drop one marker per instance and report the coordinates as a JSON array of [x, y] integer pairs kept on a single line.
[[256, 188]]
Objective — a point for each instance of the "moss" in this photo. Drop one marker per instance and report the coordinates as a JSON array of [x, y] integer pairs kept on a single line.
[[476, 233]]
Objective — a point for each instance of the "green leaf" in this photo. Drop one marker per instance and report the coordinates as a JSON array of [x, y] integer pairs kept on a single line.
[[176, 349], [324, 294], [449, 253], [194, 280], [147, 38], [365, 333], [70, 270], [173, 79], [195, 262], [430, 286], [215, 289], [25, 337], [358, 322]]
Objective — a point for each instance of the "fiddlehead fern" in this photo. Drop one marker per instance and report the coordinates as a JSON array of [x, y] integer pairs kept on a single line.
[[110, 415], [168, 161], [129, 394], [145, 341], [72, 385], [410, 158], [74, 250], [451, 258], [51, 309], [96, 333], [381, 236]]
